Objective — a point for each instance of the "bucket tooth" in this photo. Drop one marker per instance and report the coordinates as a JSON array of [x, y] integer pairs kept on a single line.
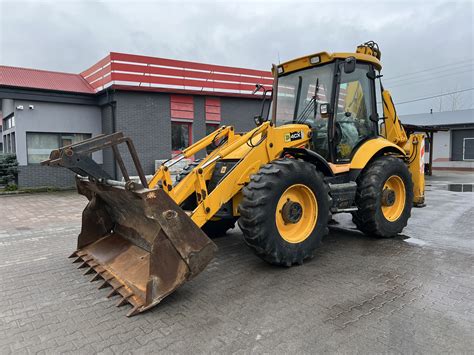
[[106, 282], [122, 301], [73, 255], [81, 253], [86, 262], [89, 271], [83, 265], [103, 285], [125, 297], [97, 276], [78, 259], [135, 310], [114, 291]]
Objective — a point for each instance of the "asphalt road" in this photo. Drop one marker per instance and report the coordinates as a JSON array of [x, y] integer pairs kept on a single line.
[[413, 293]]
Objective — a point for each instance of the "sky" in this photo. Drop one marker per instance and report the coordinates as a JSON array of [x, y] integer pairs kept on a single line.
[[427, 46]]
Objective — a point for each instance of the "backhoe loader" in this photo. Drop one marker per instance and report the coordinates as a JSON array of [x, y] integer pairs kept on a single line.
[[324, 149]]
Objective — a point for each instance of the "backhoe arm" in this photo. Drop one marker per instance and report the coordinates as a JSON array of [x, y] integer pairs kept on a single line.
[[413, 145]]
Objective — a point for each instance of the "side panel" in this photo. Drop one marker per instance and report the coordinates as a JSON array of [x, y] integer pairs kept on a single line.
[[370, 148]]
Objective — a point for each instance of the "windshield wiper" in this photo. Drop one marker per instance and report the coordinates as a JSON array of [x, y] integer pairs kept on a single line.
[[302, 117]]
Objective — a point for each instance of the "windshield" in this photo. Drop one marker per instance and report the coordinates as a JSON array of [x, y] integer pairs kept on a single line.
[[296, 99]]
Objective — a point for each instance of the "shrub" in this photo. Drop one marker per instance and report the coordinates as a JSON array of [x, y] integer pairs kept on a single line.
[[8, 169], [11, 187]]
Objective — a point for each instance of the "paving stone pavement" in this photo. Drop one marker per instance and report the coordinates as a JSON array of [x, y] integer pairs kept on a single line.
[[413, 293]]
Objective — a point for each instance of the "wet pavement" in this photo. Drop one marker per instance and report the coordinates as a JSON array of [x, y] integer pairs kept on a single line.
[[412, 293]]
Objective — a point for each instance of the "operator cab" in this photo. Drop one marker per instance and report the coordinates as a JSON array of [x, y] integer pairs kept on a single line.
[[335, 97]]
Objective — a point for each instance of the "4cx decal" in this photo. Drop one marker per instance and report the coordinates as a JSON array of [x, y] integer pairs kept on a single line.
[[293, 136]]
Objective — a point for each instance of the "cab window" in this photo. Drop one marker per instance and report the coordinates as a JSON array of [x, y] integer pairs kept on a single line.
[[353, 111]]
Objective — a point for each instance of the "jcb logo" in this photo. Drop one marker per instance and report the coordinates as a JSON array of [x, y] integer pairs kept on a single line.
[[293, 136]]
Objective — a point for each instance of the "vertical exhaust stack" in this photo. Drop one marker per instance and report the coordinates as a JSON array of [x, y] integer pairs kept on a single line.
[[137, 240]]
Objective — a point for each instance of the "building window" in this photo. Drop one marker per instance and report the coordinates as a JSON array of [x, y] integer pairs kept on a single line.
[[13, 143], [182, 114], [211, 127], [8, 122], [462, 144], [39, 145], [7, 144], [180, 136], [468, 149]]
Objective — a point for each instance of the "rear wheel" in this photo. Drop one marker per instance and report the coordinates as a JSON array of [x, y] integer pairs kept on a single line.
[[384, 197], [284, 211], [215, 228]]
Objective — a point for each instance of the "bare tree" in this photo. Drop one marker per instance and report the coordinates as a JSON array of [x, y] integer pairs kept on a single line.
[[451, 102]]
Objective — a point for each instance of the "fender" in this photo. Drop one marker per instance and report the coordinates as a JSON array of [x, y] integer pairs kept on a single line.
[[373, 148], [311, 157]]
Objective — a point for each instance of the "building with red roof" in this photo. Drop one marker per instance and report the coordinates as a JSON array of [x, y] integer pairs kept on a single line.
[[162, 104]]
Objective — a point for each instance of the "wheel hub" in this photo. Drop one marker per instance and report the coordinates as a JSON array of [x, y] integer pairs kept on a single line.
[[291, 212], [388, 197]]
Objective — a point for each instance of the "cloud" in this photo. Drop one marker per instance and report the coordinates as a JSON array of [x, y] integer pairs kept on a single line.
[[72, 35]]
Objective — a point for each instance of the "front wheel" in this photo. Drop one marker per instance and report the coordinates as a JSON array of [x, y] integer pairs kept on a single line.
[[384, 197], [284, 211]]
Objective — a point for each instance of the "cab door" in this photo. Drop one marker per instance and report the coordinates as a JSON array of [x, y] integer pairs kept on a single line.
[[355, 115]]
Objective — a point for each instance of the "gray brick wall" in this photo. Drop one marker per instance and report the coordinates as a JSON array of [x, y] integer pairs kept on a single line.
[[145, 118], [107, 128], [239, 112], [199, 124], [36, 175]]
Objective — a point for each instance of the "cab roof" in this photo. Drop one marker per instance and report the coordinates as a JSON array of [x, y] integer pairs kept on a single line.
[[323, 58]]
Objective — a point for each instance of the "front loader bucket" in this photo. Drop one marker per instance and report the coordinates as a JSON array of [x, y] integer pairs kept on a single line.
[[140, 242]]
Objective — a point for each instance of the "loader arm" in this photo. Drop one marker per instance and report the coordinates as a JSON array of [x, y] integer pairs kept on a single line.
[[413, 145], [253, 149], [163, 175]]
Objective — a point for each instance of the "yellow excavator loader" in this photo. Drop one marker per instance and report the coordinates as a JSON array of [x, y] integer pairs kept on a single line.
[[324, 150]]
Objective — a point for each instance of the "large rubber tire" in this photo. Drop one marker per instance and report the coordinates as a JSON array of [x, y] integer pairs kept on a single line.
[[258, 219], [186, 170], [370, 218], [214, 228]]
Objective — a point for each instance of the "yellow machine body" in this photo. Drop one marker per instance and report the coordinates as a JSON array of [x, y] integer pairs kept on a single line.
[[145, 240]]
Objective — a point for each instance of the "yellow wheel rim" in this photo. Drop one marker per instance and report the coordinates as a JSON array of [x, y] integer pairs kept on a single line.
[[296, 213], [393, 198]]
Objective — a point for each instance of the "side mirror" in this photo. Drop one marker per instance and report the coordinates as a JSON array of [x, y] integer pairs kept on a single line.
[[257, 88], [324, 110], [349, 65], [259, 120], [374, 117]]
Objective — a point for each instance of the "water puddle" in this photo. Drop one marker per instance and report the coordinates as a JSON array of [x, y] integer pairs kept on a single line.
[[460, 187], [450, 187]]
